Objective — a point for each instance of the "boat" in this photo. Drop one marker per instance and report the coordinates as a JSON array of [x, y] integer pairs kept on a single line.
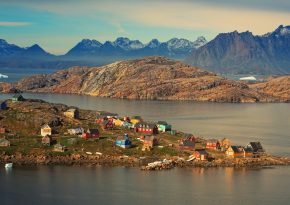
[[8, 165], [89, 153], [99, 153]]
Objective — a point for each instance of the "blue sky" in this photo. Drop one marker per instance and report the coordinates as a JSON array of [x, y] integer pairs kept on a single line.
[[57, 25]]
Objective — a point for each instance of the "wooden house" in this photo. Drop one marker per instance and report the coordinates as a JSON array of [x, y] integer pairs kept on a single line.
[[4, 142], [230, 152], [118, 122], [163, 126], [3, 105], [225, 144], [187, 143], [46, 140], [59, 148], [149, 142], [91, 133], [148, 128], [135, 120], [54, 122], [249, 152], [123, 141], [107, 124], [256, 147], [45, 130], [201, 155], [2, 130], [72, 113], [213, 144], [17, 97], [76, 131], [127, 124], [239, 151]]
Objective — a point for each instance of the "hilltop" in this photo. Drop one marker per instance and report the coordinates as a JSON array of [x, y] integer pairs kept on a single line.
[[151, 78]]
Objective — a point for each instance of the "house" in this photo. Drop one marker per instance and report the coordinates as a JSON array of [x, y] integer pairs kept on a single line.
[[4, 142], [102, 114], [118, 122], [59, 148], [225, 143], [239, 151], [248, 152], [17, 97], [54, 122], [149, 142], [256, 147], [123, 141], [127, 125], [45, 130], [187, 143], [72, 113], [101, 119], [3, 105], [212, 144], [136, 119], [91, 133], [76, 131], [107, 124], [201, 155], [46, 140], [148, 128], [230, 152], [163, 126], [2, 130]]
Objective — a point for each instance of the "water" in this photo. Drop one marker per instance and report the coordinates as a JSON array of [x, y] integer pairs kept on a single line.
[[102, 185], [15, 74], [242, 123]]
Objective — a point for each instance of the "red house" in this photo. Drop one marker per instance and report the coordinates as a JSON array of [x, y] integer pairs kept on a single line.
[[187, 143], [107, 124], [201, 155], [91, 133], [148, 128], [2, 130], [213, 144]]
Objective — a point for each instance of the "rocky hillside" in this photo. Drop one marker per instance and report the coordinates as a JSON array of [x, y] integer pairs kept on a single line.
[[150, 78], [245, 53], [278, 87]]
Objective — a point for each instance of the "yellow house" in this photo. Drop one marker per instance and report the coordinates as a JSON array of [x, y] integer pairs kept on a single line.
[[71, 113], [45, 130], [118, 122], [230, 152], [225, 143]]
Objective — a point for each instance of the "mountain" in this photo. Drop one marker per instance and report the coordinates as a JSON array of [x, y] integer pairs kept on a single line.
[[123, 48], [245, 53], [154, 78]]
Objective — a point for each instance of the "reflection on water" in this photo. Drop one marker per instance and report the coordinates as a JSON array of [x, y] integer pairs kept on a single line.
[[269, 123]]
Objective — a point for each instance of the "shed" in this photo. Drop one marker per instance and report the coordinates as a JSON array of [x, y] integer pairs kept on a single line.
[[45, 130], [46, 140], [163, 126], [123, 141], [17, 97], [72, 113], [59, 148], [3, 105], [4, 142]]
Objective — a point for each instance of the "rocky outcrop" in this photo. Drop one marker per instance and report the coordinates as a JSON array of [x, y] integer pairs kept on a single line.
[[152, 78]]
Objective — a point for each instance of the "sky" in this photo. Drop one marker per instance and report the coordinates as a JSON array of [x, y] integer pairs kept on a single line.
[[57, 25]]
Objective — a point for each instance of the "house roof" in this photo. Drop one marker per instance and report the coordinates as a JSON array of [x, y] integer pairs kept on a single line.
[[17, 95], [257, 146], [146, 125], [45, 126], [202, 151], [212, 141], [71, 110], [237, 149]]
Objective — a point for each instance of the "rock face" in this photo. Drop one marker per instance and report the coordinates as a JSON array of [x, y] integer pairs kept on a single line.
[[244, 53], [152, 78]]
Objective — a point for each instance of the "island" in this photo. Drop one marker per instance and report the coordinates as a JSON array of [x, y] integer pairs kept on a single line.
[[34, 132]]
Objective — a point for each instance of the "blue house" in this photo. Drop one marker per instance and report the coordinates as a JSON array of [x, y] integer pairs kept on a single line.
[[123, 141], [3, 105], [127, 124]]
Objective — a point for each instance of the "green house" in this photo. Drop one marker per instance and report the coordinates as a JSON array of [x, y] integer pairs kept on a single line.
[[163, 126], [17, 97]]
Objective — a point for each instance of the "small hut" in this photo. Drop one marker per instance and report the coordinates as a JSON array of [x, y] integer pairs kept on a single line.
[[59, 148], [4, 142], [45, 130], [17, 97], [72, 113], [46, 140]]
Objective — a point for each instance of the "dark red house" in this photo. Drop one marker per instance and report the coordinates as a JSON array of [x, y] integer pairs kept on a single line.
[[187, 143], [107, 124], [91, 133], [148, 128]]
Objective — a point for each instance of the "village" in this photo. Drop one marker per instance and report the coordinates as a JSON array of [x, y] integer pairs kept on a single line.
[[69, 131]]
